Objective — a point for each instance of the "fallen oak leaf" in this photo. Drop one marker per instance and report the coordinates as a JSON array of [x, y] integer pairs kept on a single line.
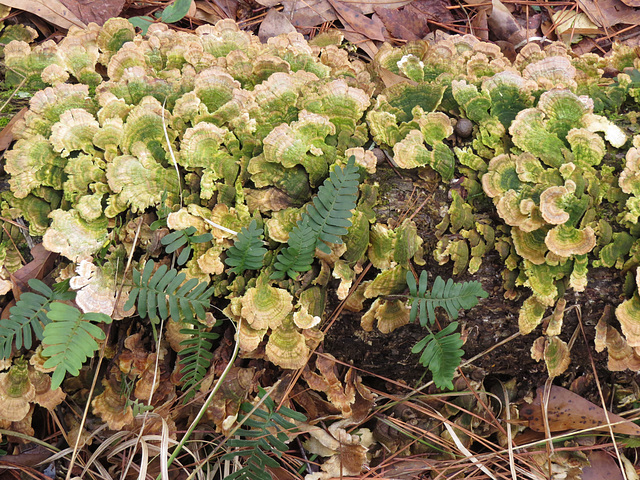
[[568, 411], [608, 13]]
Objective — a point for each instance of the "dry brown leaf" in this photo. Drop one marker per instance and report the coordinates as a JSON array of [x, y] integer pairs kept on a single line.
[[607, 13], [310, 13], [207, 12], [39, 267], [353, 20], [504, 26], [53, 11], [632, 3], [273, 24], [603, 467], [479, 25], [404, 23], [390, 79], [6, 135], [568, 411], [362, 42], [434, 10], [268, 3], [97, 11]]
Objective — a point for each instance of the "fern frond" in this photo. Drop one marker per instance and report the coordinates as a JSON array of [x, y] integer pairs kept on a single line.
[[163, 293], [247, 251], [184, 238], [195, 359], [330, 212], [441, 351], [298, 255], [29, 317], [327, 217], [259, 440], [70, 338], [451, 296], [441, 354]]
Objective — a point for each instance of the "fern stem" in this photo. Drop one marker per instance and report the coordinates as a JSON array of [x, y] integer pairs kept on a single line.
[[204, 407]]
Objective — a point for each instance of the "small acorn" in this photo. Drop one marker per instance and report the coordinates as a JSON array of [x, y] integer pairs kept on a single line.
[[464, 128]]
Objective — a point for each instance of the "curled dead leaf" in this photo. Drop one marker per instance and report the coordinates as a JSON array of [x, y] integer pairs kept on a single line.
[[567, 411]]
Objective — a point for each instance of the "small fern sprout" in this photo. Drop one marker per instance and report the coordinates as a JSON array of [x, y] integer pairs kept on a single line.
[[441, 351], [247, 252], [184, 238]]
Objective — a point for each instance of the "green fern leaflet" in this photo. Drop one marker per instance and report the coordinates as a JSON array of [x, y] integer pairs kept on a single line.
[[184, 238], [29, 317], [441, 354], [247, 251], [259, 439], [441, 351], [165, 293], [330, 212], [195, 359], [451, 296], [70, 339], [326, 219], [298, 256]]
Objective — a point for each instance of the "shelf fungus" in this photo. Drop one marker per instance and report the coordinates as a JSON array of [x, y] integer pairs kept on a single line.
[[286, 346], [566, 241], [628, 314], [265, 306], [390, 315], [215, 126], [17, 392]]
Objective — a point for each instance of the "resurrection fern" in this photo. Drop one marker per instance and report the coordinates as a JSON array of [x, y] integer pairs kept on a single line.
[[163, 293], [69, 339], [326, 219], [29, 316], [195, 359], [267, 433], [184, 238], [441, 351], [247, 251]]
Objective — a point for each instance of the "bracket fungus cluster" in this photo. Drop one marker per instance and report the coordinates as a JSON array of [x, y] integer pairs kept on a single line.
[[538, 144], [213, 130]]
